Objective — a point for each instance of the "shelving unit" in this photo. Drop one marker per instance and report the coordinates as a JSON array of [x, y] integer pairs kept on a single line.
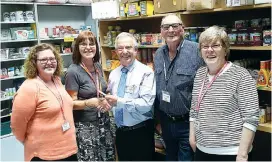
[[266, 127], [11, 78], [201, 18], [45, 16], [23, 22]]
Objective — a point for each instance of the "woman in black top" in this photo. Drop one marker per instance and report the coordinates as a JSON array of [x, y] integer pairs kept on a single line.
[[83, 81]]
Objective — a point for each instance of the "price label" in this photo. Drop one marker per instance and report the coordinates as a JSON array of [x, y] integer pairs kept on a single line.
[[69, 39]]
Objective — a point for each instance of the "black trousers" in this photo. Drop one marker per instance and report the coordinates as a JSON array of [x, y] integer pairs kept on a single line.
[[70, 158], [202, 156], [137, 144]]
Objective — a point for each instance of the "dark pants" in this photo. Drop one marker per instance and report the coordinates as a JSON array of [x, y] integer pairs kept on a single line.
[[137, 144], [202, 156], [176, 137], [70, 158]]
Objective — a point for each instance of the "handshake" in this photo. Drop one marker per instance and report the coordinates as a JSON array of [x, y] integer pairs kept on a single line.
[[103, 104]]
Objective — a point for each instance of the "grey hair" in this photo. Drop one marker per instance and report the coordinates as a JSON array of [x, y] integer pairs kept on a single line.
[[125, 34], [215, 33], [169, 15]]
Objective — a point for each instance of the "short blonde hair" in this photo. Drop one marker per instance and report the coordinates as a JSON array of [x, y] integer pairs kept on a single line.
[[30, 65], [215, 33]]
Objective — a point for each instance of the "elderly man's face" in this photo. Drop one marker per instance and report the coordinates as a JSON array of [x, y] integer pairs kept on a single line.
[[171, 29], [126, 51]]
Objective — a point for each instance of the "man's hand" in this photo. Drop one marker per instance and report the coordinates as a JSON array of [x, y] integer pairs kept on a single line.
[[112, 100], [104, 106]]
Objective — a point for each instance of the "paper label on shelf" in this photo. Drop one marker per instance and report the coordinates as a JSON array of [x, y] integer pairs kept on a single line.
[[69, 39]]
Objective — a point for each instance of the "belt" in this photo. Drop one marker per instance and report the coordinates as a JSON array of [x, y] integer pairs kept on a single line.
[[139, 125], [184, 117]]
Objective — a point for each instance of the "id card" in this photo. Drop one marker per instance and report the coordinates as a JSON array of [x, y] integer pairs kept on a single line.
[[65, 126], [166, 96]]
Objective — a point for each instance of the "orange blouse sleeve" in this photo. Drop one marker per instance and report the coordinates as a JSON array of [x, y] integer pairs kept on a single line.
[[24, 106]]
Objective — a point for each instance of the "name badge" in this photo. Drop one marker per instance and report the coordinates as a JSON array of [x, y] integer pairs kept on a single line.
[[166, 96], [65, 126], [130, 89]]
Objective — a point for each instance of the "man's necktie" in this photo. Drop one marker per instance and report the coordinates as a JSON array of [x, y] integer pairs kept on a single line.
[[121, 93]]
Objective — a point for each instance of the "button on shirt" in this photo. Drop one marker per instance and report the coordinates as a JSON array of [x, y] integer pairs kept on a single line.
[[177, 77], [140, 91]]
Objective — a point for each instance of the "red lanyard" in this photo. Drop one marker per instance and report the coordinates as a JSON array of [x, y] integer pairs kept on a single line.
[[96, 83], [200, 96], [60, 100]]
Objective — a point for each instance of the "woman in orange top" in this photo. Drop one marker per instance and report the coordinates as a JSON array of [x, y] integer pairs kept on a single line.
[[42, 117]]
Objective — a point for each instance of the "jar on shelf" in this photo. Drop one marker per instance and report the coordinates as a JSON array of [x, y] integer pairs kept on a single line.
[[109, 35]]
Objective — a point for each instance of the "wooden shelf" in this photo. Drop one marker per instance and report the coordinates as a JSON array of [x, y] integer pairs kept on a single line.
[[249, 7], [159, 150], [135, 18], [257, 48], [106, 70], [141, 46], [264, 89], [237, 8], [266, 127]]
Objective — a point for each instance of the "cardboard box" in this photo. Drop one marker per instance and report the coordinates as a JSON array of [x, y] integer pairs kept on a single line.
[[242, 2], [262, 1], [205, 4], [165, 6]]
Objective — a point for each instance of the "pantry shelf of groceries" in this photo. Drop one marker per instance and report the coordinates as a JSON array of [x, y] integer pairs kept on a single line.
[[247, 26]]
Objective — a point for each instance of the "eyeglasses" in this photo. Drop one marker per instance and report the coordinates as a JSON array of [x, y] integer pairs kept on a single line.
[[45, 60], [175, 26], [84, 45], [214, 47], [121, 48]]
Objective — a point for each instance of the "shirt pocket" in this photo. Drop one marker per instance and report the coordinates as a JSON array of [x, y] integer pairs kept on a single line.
[[184, 79], [159, 77]]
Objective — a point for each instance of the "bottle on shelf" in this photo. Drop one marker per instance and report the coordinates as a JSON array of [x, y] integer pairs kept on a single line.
[[263, 75]]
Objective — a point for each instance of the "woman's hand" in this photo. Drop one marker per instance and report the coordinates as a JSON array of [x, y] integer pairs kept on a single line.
[[104, 106], [240, 157], [192, 138], [192, 143]]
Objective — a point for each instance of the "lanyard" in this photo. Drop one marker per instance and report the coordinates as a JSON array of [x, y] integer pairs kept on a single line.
[[59, 98], [172, 67], [200, 96], [96, 82]]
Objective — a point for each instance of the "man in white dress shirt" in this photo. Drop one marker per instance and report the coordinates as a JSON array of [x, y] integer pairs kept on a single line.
[[133, 90]]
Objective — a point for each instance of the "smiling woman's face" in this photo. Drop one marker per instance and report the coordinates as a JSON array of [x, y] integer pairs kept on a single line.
[[213, 53], [46, 63]]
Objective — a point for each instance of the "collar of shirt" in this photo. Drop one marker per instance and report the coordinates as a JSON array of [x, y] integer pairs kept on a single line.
[[131, 66], [166, 49]]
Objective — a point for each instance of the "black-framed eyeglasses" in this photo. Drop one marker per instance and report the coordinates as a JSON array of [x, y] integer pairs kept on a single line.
[[175, 26], [45, 60]]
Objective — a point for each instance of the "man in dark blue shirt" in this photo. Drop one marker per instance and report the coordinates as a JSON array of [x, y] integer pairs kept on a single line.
[[176, 64]]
